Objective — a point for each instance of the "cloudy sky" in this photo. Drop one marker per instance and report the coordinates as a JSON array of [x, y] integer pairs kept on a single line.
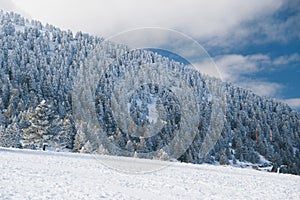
[[255, 44]]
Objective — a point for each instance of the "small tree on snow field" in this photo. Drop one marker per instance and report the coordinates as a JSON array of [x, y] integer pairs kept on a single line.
[[41, 126], [87, 148], [38, 132], [102, 150], [162, 155], [80, 137]]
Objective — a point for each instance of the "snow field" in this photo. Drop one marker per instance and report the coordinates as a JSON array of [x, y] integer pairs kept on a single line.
[[26, 174]]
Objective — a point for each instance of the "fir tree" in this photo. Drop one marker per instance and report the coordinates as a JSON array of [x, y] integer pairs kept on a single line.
[[39, 132]]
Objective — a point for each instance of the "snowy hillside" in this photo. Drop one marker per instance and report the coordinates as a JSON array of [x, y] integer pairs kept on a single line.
[[167, 110], [27, 174]]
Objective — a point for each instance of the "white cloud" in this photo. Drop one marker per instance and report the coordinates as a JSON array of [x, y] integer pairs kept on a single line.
[[209, 68], [262, 88], [293, 103], [279, 25], [240, 70], [233, 67], [280, 28], [283, 60], [198, 18], [7, 5]]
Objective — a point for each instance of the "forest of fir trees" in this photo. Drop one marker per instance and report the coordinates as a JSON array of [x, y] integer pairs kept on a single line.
[[38, 69]]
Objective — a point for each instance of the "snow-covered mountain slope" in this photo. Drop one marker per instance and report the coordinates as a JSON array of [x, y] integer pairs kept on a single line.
[[48, 96], [27, 174]]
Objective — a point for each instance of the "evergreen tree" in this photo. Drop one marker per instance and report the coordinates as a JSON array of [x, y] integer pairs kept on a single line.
[[10, 136], [39, 130], [80, 138]]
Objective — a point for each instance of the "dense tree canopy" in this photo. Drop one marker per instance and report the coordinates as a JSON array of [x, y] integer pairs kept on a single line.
[[38, 69]]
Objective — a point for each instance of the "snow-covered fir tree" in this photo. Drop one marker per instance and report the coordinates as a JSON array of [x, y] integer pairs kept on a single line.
[[39, 130]]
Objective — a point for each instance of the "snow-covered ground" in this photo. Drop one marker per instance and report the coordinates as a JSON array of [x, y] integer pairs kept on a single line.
[[28, 174]]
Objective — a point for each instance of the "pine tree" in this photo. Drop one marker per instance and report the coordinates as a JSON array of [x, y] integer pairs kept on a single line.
[[39, 132], [223, 158], [64, 133], [87, 148], [162, 155], [10, 136], [80, 138], [102, 150]]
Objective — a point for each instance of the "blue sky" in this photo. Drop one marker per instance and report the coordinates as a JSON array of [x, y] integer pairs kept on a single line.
[[255, 44], [277, 37]]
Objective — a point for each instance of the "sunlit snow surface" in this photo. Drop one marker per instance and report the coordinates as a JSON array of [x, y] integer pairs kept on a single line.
[[28, 174]]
